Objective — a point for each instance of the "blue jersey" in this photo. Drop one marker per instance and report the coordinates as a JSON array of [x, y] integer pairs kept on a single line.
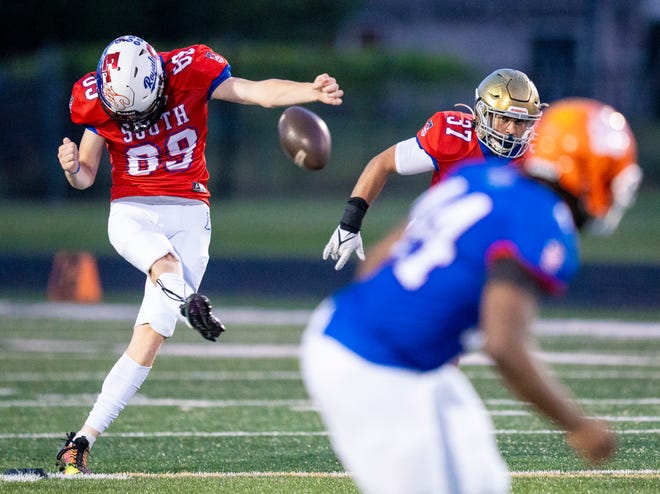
[[420, 307]]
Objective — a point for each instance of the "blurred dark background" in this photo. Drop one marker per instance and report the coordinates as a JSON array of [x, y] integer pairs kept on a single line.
[[398, 61]]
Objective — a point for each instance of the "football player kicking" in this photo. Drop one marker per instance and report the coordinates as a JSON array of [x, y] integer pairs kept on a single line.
[[506, 111], [465, 274], [150, 111]]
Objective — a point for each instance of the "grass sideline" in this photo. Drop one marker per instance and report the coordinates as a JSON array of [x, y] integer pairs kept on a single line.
[[286, 227], [208, 421]]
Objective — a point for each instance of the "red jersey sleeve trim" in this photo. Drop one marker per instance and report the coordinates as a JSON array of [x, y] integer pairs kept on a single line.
[[505, 249]]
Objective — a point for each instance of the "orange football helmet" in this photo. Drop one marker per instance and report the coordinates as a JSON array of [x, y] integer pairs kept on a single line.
[[586, 148]]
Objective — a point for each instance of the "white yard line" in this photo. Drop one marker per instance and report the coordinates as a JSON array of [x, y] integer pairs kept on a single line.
[[588, 473], [275, 317], [221, 475], [211, 434], [601, 328], [217, 376], [157, 375], [127, 312], [304, 405], [236, 350]]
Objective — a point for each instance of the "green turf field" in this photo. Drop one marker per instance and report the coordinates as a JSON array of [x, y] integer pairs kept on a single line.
[[234, 416], [288, 226]]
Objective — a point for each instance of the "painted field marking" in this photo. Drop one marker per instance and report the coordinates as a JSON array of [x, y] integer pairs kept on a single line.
[[605, 328], [225, 434], [215, 376], [70, 400], [234, 350], [651, 474], [158, 375]]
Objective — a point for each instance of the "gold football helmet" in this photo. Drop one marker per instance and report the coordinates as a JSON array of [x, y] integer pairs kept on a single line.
[[506, 111], [586, 149]]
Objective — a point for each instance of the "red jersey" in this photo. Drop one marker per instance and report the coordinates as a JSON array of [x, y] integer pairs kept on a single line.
[[449, 137], [168, 158]]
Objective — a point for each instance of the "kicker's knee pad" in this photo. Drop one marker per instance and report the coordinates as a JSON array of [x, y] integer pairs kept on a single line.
[[161, 303], [156, 311]]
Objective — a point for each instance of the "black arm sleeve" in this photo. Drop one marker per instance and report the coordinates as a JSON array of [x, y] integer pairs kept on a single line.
[[353, 214]]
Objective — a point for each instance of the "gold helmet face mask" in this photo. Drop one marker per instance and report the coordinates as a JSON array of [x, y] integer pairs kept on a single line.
[[507, 109]]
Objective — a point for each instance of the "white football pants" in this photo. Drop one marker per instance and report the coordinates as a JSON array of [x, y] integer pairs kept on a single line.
[[398, 431], [143, 232]]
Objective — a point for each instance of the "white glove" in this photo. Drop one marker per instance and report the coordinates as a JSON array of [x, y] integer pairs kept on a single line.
[[341, 245]]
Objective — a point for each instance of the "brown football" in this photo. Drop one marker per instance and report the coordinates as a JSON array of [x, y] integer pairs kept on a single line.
[[304, 137]]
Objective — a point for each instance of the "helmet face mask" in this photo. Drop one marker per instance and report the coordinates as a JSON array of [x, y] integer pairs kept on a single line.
[[131, 83], [624, 188], [587, 150], [505, 144], [506, 100]]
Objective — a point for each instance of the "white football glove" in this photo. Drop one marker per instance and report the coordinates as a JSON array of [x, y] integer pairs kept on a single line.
[[341, 245]]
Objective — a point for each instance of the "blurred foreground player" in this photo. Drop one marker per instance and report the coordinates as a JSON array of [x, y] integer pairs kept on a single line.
[[464, 274], [506, 111], [149, 110]]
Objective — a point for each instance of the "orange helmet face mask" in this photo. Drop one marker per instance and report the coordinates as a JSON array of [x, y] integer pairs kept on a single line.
[[586, 149]]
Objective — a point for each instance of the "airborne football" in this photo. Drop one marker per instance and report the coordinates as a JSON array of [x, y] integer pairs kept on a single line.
[[305, 138]]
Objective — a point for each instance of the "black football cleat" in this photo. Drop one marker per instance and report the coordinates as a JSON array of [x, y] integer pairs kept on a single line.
[[197, 312]]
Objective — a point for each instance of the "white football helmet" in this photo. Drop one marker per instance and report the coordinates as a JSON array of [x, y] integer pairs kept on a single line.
[[506, 94], [131, 82]]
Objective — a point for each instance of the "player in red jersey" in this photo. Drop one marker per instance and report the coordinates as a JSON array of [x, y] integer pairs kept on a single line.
[[507, 108], [149, 110]]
